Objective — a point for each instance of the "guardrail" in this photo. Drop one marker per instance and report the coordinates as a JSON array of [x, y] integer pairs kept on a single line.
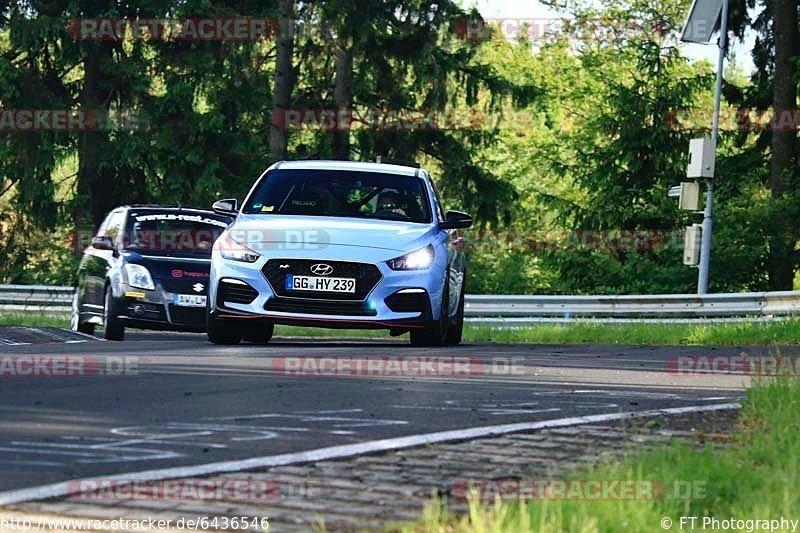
[[509, 310], [35, 299], [658, 307]]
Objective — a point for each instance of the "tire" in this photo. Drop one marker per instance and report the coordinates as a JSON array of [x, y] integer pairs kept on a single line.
[[259, 333], [221, 332], [455, 330], [436, 333], [75, 317], [113, 330]]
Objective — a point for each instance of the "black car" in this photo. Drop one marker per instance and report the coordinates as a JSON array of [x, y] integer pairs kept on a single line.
[[147, 267]]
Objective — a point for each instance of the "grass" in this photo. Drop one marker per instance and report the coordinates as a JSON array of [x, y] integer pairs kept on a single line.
[[34, 321], [734, 334], [762, 333], [755, 478], [778, 332]]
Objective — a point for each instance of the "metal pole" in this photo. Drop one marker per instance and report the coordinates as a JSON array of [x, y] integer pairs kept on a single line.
[[708, 220]]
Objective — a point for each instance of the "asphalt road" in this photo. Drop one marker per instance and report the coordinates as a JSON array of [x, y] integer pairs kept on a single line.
[[184, 401]]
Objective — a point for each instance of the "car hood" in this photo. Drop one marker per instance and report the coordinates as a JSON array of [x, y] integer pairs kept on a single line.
[[184, 273], [330, 231]]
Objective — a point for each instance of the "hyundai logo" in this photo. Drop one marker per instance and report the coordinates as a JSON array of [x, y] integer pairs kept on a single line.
[[198, 287], [321, 269]]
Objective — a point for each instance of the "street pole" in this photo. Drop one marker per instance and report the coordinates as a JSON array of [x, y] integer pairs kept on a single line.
[[708, 219]]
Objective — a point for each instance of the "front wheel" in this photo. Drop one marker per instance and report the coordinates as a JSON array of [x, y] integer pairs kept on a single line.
[[434, 334], [75, 317], [259, 332], [220, 332], [456, 328], [113, 330]]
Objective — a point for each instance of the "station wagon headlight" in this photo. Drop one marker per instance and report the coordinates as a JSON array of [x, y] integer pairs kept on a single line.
[[419, 260], [230, 249], [139, 277]]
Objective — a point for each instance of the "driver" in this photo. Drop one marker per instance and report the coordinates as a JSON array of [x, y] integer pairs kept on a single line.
[[391, 202]]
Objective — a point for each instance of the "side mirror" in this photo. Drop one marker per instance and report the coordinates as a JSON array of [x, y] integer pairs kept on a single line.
[[456, 220], [229, 206], [102, 242]]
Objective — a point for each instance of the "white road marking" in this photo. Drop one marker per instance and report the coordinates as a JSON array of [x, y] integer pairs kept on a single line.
[[88, 337], [12, 343], [65, 488]]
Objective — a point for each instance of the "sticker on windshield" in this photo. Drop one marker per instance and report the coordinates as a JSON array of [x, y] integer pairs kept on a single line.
[[267, 208], [187, 218]]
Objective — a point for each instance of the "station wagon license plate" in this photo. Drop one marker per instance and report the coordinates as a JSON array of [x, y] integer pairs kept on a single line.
[[189, 300], [320, 284]]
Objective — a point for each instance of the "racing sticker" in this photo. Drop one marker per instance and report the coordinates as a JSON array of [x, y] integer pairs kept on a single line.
[[182, 217]]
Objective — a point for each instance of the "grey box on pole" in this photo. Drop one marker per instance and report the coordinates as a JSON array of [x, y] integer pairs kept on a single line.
[[689, 198], [701, 158], [691, 244]]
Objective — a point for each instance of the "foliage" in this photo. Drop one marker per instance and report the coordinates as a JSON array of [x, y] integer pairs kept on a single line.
[[573, 136]]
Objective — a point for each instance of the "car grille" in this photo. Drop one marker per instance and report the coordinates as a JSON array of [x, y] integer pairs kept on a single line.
[[185, 285], [318, 307], [190, 316], [366, 276], [236, 293]]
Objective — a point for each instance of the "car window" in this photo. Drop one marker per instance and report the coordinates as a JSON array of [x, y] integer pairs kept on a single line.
[[439, 206], [339, 193], [166, 231], [112, 226]]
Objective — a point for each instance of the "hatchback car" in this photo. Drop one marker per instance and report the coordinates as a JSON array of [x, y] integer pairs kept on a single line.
[[339, 245], [147, 267]]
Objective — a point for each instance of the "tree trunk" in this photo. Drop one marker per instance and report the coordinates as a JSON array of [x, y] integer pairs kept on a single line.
[[782, 227], [284, 81], [95, 185], [343, 98]]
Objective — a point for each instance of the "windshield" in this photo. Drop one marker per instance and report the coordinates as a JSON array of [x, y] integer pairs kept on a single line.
[[341, 193], [166, 232]]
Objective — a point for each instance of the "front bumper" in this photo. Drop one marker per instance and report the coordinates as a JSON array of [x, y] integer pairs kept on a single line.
[[399, 300], [156, 309]]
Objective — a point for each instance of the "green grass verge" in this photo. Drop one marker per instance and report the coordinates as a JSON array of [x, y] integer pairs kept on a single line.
[[763, 333], [34, 321], [783, 332], [756, 478], [760, 333]]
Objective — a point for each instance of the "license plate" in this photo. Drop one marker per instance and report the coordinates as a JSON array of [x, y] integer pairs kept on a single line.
[[320, 284], [189, 300]]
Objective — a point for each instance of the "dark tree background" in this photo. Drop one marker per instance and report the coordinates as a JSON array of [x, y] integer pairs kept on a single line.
[[571, 135]]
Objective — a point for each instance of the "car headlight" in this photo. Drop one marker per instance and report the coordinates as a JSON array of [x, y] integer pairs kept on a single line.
[[230, 249], [139, 277], [419, 260]]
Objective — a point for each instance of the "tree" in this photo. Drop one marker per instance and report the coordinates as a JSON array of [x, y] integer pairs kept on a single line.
[[783, 230], [284, 80]]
